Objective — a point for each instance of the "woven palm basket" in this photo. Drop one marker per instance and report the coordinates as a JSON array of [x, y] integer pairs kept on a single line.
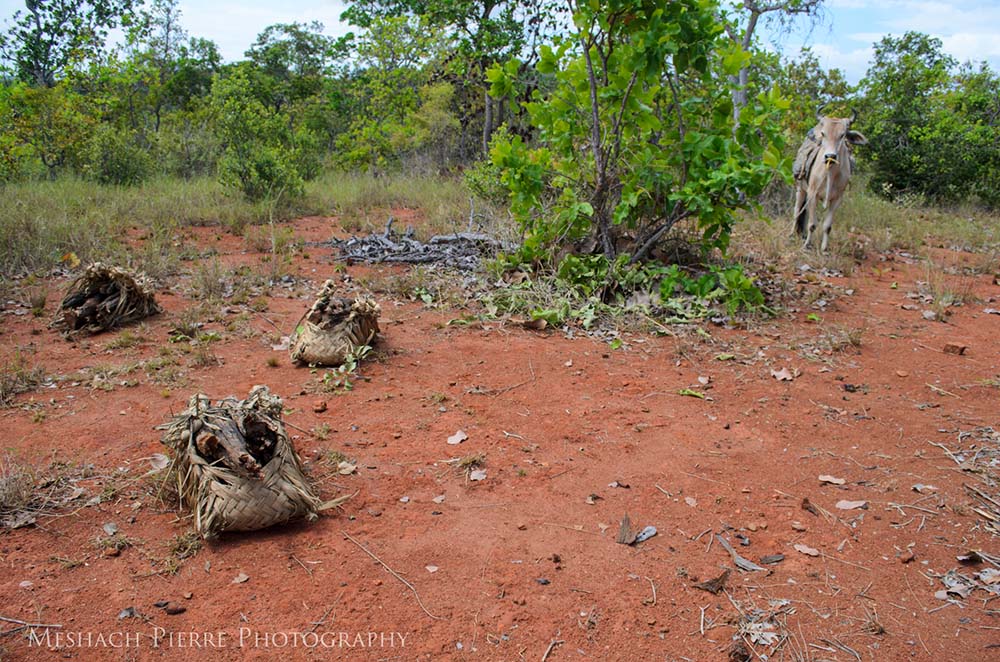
[[238, 491], [104, 298], [334, 327]]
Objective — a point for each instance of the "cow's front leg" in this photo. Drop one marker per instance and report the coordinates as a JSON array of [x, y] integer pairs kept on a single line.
[[828, 224]]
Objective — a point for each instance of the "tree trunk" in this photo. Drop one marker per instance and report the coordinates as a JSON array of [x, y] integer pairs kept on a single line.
[[488, 123], [741, 80]]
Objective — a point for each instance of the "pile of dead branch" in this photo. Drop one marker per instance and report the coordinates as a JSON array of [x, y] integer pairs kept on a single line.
[[334, 328], [104, 298], [234, 465], [461, 250], [977, 452], [26, 495]]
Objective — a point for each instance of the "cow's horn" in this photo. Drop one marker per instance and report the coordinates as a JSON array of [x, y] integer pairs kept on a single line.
[[819, 112], [854, 115]]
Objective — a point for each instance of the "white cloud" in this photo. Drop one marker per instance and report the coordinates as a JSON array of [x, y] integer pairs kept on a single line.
[[235, 26], [943, 18], [853, 60], [976, 47]]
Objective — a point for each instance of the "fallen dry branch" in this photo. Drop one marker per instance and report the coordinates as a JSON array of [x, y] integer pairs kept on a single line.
[[25, 625], [462, 250]]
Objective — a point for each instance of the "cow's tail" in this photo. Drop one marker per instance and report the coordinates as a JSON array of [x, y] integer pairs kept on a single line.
[[802, 217]]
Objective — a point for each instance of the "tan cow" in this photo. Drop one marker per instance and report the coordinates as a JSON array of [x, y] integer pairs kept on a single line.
[[822, 170]]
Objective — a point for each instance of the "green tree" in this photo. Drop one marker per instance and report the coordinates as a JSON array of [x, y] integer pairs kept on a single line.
[[636, 133], [912, 146], [741, 18], [808, 86], [395, 56], [46, 38], [259, 156], [53, 125], [482, 32], [293, 59]]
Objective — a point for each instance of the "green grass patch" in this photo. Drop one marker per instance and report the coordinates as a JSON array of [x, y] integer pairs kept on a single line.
[[44, 223]]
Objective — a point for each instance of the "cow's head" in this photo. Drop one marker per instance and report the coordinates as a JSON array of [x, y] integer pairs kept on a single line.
[[835, 134]]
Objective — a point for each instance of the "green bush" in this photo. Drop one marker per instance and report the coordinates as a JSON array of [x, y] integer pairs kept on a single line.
[[930, 125], [261, 172], [485, 179], [259, 153], [635, 134], [188, 146], [308, 153], [115, 157]]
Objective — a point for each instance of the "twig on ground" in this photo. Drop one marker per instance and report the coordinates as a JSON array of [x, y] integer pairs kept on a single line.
[[946, 450], [394, 574], [30, 625], [322, 619], [942, 391], [711, 480], [308, 571], [571, 528], [653, 586], [843, 647], [552, 644]]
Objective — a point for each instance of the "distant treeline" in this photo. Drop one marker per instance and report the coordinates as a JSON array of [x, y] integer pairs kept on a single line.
[[410, 87]]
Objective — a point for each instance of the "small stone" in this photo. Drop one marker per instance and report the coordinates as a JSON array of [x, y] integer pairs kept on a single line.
[[188, 595], [954, 348], [799, 526], [543, 581], [929, 315], [522, 527], [173, 608], [319, 406], [404, 499], [112, 551], [907, 557]]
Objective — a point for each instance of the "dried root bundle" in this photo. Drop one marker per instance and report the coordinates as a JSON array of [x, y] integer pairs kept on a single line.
[[234, 465], [334, 327], [104, 298]]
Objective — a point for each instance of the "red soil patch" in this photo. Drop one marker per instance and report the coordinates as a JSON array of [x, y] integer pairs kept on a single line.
[[521, 558]]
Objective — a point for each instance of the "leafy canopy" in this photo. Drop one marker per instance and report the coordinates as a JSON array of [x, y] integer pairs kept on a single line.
[[635, 133]]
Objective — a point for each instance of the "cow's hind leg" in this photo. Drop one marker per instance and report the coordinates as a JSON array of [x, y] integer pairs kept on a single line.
[[800, 214], [811, 215]]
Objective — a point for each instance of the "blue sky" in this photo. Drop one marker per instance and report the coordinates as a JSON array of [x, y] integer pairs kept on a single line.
[[970, 29]]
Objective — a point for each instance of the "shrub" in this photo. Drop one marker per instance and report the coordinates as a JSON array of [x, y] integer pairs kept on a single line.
[[259, 155], [188, 146], [635, 133], [115, 157]]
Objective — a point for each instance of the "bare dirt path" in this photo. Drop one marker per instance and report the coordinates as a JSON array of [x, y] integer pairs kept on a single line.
[[524, 563]]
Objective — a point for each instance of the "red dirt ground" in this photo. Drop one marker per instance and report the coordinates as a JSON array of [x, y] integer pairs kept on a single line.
[[557, 419]]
